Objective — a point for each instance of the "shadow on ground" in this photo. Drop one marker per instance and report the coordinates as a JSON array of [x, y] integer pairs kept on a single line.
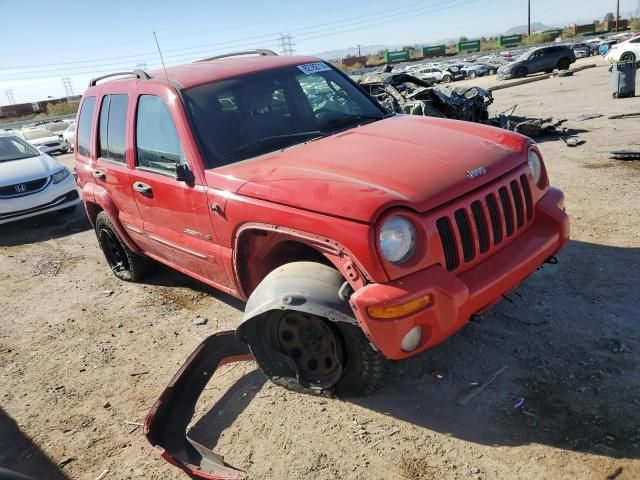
[[20, 454], [43, 227], [569, 338]]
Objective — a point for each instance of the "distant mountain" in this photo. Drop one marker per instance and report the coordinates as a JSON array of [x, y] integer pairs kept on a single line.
[[353, 51], [522, 29]]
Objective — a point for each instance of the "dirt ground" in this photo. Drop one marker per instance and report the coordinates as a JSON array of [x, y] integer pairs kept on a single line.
[[82, 354]]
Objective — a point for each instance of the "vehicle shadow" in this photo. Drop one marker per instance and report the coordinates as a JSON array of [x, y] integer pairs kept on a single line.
[[43, 227], [164, 276], [20, 454], [568, 336]]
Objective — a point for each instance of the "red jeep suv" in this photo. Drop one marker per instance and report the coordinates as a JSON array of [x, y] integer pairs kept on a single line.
[[354, 235]]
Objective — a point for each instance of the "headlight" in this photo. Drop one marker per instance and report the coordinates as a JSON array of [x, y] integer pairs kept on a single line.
[[397, 239], [60, 175], [535, 165]]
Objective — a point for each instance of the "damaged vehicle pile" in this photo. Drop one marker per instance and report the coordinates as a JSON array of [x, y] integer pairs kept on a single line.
[[354, 235]]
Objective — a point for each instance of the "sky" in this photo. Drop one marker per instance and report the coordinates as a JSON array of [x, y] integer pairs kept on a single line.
[[46, 41]]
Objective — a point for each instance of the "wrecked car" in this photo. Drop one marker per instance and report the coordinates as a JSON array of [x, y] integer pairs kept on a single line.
[[404, 93], [354, 235]]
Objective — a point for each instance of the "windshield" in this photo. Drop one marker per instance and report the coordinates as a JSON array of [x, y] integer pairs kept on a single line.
[[13, 148], [255, 114], [525, 56], [34, 134]]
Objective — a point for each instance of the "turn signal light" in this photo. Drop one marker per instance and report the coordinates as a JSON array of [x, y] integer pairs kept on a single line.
[[397, 311]]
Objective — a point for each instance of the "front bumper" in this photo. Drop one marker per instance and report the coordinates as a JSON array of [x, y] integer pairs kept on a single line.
[[60, 147], [55, 196], [456, 297]]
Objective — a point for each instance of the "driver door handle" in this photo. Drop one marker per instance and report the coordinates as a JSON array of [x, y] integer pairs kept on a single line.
[[99, 174], [143, 188]]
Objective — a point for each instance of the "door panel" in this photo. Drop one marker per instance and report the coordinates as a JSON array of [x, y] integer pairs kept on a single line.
[[175, 213]]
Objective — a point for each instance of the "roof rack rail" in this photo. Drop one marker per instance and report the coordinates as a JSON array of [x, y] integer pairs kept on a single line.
[[136, 73], [258, 51]]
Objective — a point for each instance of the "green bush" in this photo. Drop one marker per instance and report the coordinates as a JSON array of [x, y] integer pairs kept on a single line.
[[62, 108]]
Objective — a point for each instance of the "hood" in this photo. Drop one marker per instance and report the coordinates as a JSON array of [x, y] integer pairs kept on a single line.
[[27, 169], [410, 161], [43, 140]]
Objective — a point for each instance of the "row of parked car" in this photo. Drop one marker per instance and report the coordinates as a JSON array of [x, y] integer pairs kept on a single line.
[[525, 61], [47, 137]]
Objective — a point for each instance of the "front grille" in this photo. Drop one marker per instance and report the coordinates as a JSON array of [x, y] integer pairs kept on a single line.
[[21, 189], [485, 222]]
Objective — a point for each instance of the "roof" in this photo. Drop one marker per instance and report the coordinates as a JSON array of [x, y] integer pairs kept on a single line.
[[198, 73]]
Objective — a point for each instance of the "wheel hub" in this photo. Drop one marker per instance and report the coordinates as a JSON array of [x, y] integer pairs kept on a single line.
[[312, 345], [114, 253]]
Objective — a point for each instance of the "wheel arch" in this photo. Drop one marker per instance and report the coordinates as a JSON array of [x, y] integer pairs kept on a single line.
[[260, 249]]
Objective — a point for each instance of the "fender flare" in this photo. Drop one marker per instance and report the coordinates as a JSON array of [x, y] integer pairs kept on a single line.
[[303, 286], [101, 197]]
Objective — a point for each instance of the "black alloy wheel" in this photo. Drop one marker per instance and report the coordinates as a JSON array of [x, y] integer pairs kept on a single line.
[[113, 251]]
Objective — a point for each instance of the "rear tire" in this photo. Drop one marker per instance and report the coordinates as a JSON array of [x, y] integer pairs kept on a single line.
[[337, 358], [564, 64], [473, 74], [446, 79], [125, 264], [628, 57]]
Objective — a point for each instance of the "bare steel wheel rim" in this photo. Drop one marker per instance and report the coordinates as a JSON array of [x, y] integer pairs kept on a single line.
[[113, 251], [313, 345]]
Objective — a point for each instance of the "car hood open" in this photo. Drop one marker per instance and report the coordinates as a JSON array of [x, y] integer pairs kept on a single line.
[[27, 169], [410, 161]]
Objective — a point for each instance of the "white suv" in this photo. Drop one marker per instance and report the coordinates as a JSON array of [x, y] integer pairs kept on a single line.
[[32, 183]]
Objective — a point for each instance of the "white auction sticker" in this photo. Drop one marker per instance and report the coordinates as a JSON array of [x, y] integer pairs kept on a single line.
[[309, 68]]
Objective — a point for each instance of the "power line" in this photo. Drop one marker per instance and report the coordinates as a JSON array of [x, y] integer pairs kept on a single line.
[[10, 96], [309, 29], [402, 15]]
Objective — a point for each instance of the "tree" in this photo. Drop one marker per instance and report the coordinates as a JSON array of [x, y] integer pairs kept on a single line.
[[463, 39], [609, 17], [635, 24]]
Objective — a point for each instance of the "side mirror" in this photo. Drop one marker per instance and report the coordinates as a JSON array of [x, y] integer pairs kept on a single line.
[[183, 174]]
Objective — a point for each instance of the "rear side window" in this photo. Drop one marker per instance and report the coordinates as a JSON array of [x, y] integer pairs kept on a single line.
[[157, 143], [113, 123], [83, 133]]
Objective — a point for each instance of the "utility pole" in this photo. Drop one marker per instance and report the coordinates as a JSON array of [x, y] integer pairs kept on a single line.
[[68, 87], [529, 18], [359, 54], [286, 44], [617, 16], [10, 97]]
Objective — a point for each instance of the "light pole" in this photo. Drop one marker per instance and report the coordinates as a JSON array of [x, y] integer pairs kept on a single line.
[[529, 18]]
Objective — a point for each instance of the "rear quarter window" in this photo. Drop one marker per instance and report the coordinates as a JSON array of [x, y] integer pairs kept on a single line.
[[83, 134]]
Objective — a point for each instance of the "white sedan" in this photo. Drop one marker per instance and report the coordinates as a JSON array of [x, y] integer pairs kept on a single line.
[[32, 183], [627, 51], [69, 136], [43, 139]]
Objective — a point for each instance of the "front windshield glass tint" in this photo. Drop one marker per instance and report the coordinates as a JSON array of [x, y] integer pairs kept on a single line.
[[232, 114], [13, 148]]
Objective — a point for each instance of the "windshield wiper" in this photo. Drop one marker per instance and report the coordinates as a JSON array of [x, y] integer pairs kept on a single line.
[[275, 139]]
